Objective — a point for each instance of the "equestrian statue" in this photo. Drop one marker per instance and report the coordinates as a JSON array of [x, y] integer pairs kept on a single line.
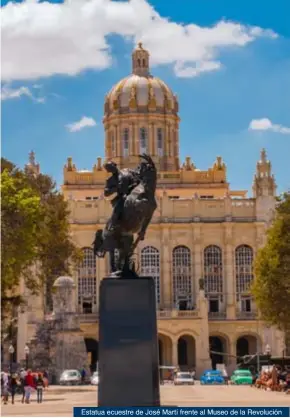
[[133, 208]]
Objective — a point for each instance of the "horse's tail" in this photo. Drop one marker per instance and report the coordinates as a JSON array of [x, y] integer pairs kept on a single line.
[[98, 244]]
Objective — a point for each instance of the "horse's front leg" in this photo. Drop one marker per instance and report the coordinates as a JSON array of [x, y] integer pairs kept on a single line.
[[112, 261]]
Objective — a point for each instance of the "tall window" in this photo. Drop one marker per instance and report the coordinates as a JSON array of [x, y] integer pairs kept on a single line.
[[159, 142], [87, 292], [213, 276], [182, 286], [244, 269], [126, 142], [113, 144], [143, 141], [150, 266]]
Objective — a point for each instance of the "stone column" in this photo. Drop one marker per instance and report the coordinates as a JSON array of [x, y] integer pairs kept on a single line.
[[176, 147], [107, 144], [152, 140], [203, 360], [232, 361], [166, 271], [136, 138], [166, 140], [117, 141], [174, 352], [131, 139], [228, 273], [198, 270]]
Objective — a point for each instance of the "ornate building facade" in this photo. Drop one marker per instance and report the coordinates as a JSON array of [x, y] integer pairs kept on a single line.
[[199, 248]]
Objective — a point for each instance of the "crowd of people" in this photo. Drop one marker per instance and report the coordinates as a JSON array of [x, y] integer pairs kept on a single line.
[[274, 379], [25, 383]]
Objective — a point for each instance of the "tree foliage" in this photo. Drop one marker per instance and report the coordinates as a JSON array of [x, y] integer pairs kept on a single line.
[[36, 242], [56, 251], [271, 287], [21, 215]]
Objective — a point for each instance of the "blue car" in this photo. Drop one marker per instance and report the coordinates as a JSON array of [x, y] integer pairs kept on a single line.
[[212, 377]]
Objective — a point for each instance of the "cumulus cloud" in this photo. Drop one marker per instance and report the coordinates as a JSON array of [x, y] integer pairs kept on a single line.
[[8, 93], [265, 124], [40, 39], [84, 122]]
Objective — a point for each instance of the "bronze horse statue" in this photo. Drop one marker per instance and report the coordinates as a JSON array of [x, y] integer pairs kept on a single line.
[[133, 210]]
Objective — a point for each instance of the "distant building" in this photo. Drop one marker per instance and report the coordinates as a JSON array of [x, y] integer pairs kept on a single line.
[[201, 230]]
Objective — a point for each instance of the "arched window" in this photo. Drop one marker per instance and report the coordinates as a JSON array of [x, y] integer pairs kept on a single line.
[[244, 256], [213, 277], [150, 266], [144, 63], [87, 287], [159, 142], [143, 141], [182, 286], [126, 142], [113, 145]]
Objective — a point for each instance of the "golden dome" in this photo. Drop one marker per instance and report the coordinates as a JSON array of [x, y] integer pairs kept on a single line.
[[140, 91]]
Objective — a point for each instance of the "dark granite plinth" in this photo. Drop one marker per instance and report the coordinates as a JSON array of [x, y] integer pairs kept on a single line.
[[128, 343]]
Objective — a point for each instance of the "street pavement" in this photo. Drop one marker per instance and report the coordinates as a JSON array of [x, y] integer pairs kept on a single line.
[[59, 401]]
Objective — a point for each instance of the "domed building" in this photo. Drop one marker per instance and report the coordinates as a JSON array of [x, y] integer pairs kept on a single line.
[[141, 115], [199, 247]]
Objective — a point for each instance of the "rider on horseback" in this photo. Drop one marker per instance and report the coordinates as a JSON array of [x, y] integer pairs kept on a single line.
[[121, 182]]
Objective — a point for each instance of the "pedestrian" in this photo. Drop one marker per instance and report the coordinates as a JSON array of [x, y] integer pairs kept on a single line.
[[22, 383], [5, 387], [83, 374], [28, 385], [45, 378], [39, 387], [13, 386]]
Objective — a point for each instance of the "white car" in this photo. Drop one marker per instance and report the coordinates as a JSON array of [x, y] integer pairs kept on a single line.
[[183, 378], [95, 378], [70, 377]]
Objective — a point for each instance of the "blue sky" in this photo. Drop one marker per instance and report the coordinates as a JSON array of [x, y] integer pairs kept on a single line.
[[64, 63]]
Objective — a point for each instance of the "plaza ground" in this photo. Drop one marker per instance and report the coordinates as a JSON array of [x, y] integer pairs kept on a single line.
[[59, 401]]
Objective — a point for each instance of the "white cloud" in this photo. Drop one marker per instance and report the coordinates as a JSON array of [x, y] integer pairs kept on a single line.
[[265, 124], [8, 93], [84, 122], [43, 39]]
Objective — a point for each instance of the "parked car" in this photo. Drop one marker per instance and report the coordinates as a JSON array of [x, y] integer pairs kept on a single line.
[[212, 377], [95, 378], [242, 377], [70, 377], [183, 378]]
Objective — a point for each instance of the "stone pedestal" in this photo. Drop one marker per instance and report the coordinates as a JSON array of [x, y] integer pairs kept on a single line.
[[128, 343]]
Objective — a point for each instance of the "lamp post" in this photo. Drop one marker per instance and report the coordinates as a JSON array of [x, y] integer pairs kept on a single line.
[[26, 351], [11, 352]]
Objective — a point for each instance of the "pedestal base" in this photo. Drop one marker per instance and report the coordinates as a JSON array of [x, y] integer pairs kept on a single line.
[[128, 343]]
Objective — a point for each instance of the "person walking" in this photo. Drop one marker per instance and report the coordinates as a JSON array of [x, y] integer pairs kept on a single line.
[[45, 378], [39, 387], [83, 374], [28, 385], [22, 383], [13, 386], [5, 387]]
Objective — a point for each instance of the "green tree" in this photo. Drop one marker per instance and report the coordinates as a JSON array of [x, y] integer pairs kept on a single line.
[[271, 287], [35, 231], [57, 252], [21, 215]]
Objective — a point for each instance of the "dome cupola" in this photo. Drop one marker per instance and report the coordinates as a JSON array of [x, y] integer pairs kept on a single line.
[[140, 61], [141, 115]]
